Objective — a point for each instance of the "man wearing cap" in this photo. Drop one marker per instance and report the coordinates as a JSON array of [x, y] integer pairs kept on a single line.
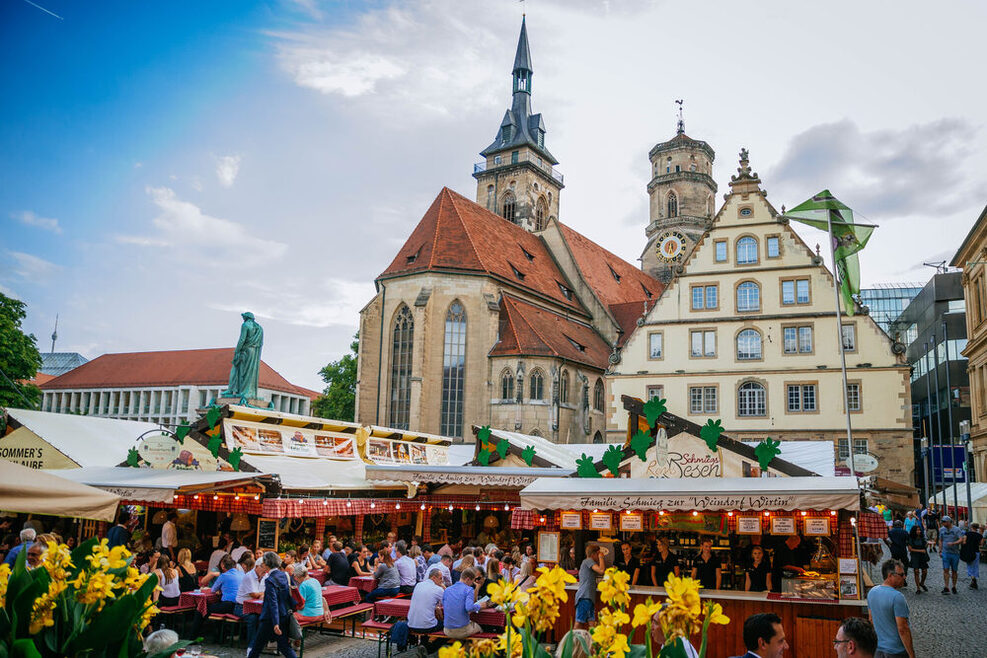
[[951, 539]]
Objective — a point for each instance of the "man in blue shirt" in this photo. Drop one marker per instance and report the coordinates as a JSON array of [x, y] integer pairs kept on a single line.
[[889, 613], [119, 535], [951, 539], [457, 604], [226, 585], [27, 538]]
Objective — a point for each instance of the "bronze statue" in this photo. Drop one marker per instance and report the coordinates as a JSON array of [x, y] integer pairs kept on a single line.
[[246, 361]]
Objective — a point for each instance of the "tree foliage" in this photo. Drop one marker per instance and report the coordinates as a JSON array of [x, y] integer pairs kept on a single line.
[[338, 399], [19, 357]]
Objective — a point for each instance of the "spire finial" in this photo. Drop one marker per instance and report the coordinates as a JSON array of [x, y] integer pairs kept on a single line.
[[681, 124], [54, 334]]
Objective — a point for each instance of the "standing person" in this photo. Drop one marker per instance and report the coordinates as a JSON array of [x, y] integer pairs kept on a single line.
[[119, 535], [897, 542], [931, 520], [251, 589], [625, 560], [169, 536], [950, 539], [665, 563], [889, 613], [458, 602], [764, 636], [591, 568], [855, 638], [388, 578], [274, 618], [407, 569], [970, 553], [706, 569], [425, 611], [338, 565], [758, 578], [919, 556]]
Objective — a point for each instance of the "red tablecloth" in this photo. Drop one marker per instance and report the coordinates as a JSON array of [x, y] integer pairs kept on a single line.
[[253, 606], [489, 617], [338, 594], [200, 600], [319, 575], [392, 608], [363, 583]]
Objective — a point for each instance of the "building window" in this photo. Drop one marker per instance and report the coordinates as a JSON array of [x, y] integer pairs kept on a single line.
[[515, 155], [654, 391], [751, 400], [401, 349], [801, 398], [497, 159], [748, 345], [564, 387], [541, 211], [748, 297], [794, 291], [509, 207], [705, 298], [673, 205], [655, 345], [746, 251], [859, 448], [798, 340], [490, 198], [598, 395], [703, 343], [702, 400], [507, 384], [772, 246], [537, 390], [720, 249], [853, 396], [454, 370], [849, 337]]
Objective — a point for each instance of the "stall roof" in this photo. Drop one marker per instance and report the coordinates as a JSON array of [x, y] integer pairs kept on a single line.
[[685, 494], [86, 440], [299, 473], [547, 454], [469, 475], [157, 485], [27, 490]]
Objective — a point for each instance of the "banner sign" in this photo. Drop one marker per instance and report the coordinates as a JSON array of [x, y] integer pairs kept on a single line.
[[704, 502], [386, 451], [947, 464], [715, 524], [682, 456]]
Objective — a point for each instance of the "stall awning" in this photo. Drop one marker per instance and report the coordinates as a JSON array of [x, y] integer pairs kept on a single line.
[[27, 490], [490, 476], [158, 485], [685, 494], [300, 474]]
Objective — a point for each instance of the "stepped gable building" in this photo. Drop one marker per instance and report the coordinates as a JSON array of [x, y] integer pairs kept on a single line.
[[164, 387], [495, 313], [747, 334]]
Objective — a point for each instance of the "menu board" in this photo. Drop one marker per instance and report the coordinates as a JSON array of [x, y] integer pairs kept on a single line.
[[600, 521], [817, 526], [548, 546], [748, 525], [632, 522], [571, 520], [782, 525], [267, 534]]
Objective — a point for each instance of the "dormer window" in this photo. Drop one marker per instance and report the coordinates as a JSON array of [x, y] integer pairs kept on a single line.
[[413, 257], [527, 254], [613, 273], [518, 273], [578, 346], [647, 293], [566, 292], [497, 159], [505, 134]]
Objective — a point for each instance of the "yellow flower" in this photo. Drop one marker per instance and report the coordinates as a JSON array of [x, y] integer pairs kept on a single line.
[[643, 612], [714, 612], [95, 589], [483, 649], [618, 647], [42, 614], [683, 593], [455, 651], [613, 587], [503, 592], [517, 644], [57, 560], [145, 618], [4, 580], [613, 618], [553, 581], [603, 635]]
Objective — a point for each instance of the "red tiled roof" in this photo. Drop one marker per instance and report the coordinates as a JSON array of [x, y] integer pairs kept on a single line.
[[627, 315], [40, 378], [207, 367], [457, 234], [530, 330], [613, 279]]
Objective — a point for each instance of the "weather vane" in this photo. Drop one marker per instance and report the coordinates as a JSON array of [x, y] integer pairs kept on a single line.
[[681, 127]]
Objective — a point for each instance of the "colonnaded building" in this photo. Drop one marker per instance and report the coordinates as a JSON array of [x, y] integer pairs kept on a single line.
[[496, 312]]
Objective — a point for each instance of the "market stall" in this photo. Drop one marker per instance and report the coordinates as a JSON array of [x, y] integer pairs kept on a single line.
[[28, 491]]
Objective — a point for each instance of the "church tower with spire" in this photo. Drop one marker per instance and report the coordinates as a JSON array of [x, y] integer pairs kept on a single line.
[[682, 192], [517, 179]]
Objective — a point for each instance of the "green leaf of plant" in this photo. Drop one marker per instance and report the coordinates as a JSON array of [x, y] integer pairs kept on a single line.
[[528, 455], [24, 648], [674, 649], [234, 458], [483, 457], [640, 443], [502, 448], [653, 409], [710, 433], [585, 468], [612, 458], [214, 443], [181, 432], [133, 458], [483, 433], [213, 416], [766, 451]]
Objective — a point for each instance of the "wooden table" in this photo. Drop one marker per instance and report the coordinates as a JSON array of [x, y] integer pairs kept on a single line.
[[319, 575], [200, 600], [399, 608], [340, 594], [363, 583]]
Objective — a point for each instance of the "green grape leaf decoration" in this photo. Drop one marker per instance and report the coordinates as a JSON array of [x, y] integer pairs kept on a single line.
[[181, 432], [502, 447], [528, 455], [612, 458], [214, 443], [767, 450], [653, 409], [640, 443], [483, 457], [133, 458], [710, 433], [483, 434], [234, 458], [213, 416], [585, 468]]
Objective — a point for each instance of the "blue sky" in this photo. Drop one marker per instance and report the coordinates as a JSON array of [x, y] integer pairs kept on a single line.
[[164, 166]]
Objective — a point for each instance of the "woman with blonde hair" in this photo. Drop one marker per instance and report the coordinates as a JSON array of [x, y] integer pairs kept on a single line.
[[187, 577], [468, 562], [526, 578]]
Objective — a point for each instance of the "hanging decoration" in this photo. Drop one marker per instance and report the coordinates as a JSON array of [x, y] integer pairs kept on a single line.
[[710, 433]]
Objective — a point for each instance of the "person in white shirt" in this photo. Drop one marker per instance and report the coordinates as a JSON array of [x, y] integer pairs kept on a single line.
[[251, 589], [406, 567], [424, 613], [169, 535], [238, 552], [443, 568]]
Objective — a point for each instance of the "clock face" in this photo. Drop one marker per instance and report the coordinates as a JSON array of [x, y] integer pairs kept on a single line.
[[671, 247]]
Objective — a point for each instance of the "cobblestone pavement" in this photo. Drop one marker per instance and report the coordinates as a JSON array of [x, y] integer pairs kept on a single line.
[[941, 625]]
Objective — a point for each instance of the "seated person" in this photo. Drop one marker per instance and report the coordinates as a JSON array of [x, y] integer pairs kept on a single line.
[[425, 612], [310, 591], [227, 585], [160, 641], [388, 578], [360, 562], [338, 565], [458, 602], [315, 559]]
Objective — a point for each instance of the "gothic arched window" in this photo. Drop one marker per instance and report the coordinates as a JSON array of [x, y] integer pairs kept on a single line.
[[746, 251], [490, 198], [402, 346], [541, 212], [509, 207], [507, 384], [537, 390], [748, 297], [598, 437], [454, 370], [673, 205], [564, 387], [751, 400], [748, 345], [598, 395]]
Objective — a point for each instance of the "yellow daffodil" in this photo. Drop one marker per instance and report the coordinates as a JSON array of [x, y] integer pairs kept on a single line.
[[643, 612], [455, 651], [714, 613]]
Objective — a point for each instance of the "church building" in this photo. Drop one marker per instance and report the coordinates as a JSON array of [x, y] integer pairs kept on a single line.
[[494, 312]]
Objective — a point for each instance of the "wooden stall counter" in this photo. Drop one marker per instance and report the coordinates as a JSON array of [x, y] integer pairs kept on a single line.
[[810, 625]]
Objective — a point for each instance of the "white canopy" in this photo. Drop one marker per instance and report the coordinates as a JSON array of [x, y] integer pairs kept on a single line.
[[978, 494], [154, 485], [27, 490], [299, 473], [465, 475], [685, 494]]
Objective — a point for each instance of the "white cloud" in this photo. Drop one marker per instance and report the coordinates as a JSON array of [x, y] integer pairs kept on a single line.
[[336, 302], [28, 266], [227, 168], [29, 218]]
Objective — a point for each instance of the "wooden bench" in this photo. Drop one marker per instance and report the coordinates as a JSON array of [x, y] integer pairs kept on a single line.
[[225, 621], [383, 634]]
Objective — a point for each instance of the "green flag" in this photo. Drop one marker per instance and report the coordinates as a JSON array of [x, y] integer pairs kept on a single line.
[[825, 212]]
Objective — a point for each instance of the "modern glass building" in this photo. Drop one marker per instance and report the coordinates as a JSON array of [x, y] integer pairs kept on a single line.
[[886, 301]]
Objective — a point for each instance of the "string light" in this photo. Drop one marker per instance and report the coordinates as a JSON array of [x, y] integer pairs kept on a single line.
[[628, 512], [256, 496], [595, 511], [349, 504], [767, 514], [236, 497], [695, 513], [450, 507], [373, 505], [195, 497], [832, 512], [804, 513], [507, 507], [397, 506], [729, 513], [853, 520], [661, 513], [215, 497], [543, 519], [423, 507], [477, 508], [325, 502]]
